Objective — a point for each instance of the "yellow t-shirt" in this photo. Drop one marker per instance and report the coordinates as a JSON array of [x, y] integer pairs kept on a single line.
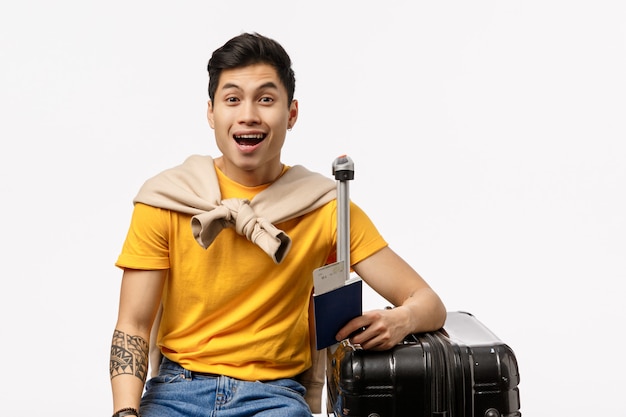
[[230, 309]]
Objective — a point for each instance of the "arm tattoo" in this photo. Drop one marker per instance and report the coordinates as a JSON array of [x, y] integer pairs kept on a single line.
[[129, 355]]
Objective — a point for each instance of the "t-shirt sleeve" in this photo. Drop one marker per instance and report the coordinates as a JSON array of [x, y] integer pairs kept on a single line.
[[365, 239], [147, 242]]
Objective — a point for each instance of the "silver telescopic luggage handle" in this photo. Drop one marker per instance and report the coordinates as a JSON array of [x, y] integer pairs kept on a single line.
[[343, 170]]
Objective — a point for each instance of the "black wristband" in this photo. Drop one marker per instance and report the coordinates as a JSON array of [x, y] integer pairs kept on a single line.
[[128, 411]]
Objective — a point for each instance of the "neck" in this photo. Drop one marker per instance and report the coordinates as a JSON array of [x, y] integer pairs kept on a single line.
[[253, 177]]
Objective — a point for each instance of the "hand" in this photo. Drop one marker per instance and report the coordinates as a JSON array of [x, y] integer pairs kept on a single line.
[[377, 329]]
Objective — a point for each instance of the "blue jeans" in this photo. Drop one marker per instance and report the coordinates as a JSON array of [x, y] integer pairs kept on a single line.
[[177, 392]]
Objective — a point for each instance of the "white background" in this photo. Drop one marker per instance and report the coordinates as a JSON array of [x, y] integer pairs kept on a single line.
[[488, 138]]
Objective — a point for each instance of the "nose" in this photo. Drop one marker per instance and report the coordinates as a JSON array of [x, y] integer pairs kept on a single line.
[[249, 113]]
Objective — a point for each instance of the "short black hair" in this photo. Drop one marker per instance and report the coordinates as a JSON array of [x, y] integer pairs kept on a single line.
[[248, 49]]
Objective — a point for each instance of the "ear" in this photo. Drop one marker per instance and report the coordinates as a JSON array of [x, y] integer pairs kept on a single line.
[[209, 115], [293, 114]]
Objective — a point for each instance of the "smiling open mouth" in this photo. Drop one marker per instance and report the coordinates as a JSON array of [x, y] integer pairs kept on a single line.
[[249, 140]]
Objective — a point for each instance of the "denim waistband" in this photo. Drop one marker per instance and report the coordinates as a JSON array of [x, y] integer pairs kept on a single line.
[[171, 367]]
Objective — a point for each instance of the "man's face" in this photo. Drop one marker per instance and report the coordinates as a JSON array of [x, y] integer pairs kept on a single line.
[[250, 115]]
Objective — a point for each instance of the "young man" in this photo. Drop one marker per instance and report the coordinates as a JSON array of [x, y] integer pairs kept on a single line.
[[226, 247]]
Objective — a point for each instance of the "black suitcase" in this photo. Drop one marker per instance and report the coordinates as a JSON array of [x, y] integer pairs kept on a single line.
[[462, 370]]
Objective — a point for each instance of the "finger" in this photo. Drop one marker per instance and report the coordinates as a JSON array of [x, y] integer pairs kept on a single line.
[[374, 337], [354, 327]]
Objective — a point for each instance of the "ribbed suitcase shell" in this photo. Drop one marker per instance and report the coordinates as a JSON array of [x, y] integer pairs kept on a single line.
[[463, 370]]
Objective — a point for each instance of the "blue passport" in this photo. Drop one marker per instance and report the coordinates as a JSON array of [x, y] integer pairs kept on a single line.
[[334, 309]]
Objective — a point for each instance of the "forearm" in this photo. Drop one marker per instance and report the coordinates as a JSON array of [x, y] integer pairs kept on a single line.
[[423, 310], [418, 307], [140, 297], [128, 368]]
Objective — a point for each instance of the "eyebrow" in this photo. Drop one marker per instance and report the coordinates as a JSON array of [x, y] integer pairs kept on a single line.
[[269, 84]]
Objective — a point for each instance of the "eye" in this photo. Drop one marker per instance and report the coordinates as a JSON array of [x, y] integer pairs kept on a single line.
[[266, 100], [232, 99]]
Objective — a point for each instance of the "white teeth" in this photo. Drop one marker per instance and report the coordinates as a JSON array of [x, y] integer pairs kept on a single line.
[[249, 136]]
